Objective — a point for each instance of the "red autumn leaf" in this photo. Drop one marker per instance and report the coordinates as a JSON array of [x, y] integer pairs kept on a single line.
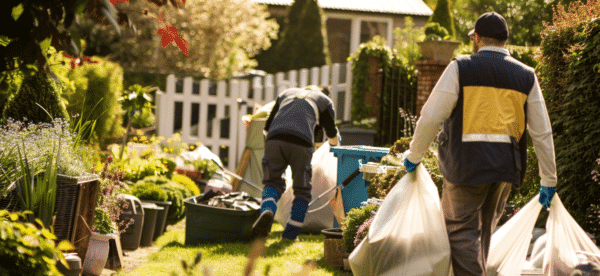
[[114, 2], [170, 34]]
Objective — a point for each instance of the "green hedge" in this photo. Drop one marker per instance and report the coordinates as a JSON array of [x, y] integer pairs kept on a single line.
[[569, 76], [97, 88], [37, 88]]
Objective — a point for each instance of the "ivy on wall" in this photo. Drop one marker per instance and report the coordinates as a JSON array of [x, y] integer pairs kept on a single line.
[[361, 65]]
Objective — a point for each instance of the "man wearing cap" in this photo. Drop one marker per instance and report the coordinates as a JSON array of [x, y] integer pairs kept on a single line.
[[484, 103]]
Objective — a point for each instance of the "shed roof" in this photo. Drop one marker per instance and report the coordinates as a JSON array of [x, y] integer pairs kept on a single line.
[[408, 7]]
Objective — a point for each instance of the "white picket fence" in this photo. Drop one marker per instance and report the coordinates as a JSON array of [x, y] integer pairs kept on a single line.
[[211, 113]]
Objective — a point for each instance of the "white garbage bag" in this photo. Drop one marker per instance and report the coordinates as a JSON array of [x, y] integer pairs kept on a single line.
[[510, 243], [319, 215], [566, 241], [408, 236]]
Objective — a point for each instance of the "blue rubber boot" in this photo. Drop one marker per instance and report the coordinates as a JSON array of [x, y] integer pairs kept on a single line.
[[268, 207], [296, 222]]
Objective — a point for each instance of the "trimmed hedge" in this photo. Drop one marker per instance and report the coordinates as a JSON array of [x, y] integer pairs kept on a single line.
[[97, 88], [303, 40], [37, 88], [569, 76]]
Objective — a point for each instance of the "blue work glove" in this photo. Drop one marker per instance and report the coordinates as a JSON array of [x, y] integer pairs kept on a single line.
[[339, 139], [546, 194], [410, 166]]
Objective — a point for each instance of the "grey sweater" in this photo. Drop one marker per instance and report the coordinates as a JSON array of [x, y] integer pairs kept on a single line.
[[296, 113]]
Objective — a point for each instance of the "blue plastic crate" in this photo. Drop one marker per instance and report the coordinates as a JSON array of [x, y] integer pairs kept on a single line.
[[354, 187]]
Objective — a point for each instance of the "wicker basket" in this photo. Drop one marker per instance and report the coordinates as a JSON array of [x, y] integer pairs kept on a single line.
[[75, 198]]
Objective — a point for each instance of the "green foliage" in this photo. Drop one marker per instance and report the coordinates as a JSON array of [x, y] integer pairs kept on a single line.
[[355, 218], [531, 182], [377, 51], [36, 143], [524, 54], [97, 88], [143, 118], [205, 167], [145, 79], [441, 14], [148, 191], [406, 39], [102, 222], [36, 89], [176, 193], [135, 169], [303, 42], [177, 209], [569, 76], [26, 249], [187, 182], [381, 184], [435, 31]]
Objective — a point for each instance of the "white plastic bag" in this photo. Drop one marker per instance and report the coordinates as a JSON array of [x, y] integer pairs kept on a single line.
[[408, 236], [319, 215], [510, 243], [565, 239]]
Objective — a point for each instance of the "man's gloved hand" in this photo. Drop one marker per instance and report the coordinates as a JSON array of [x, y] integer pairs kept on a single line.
[[546, 195], [410, 166], [339, 139]]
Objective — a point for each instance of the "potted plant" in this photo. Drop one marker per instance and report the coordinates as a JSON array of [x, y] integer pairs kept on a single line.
[[106, 219], [97, 253], [437, 44]]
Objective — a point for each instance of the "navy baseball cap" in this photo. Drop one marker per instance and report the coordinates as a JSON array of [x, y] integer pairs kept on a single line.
[[491, 24]]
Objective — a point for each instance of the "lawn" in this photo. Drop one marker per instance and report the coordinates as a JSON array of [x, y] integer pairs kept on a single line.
[[280, 257]]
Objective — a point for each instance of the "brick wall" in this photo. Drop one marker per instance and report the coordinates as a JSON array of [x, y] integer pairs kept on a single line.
[[429, 73]]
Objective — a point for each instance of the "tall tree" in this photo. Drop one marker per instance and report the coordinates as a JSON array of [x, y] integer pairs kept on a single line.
[[222, 37], [524, 18], [303, 43], [441, 14]]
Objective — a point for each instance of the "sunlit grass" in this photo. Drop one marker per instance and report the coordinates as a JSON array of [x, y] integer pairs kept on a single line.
[[230, 258]]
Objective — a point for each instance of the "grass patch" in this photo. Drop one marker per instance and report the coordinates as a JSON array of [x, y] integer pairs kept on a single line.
[[280, 257]]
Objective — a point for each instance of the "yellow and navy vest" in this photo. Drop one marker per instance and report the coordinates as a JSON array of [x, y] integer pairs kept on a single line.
[[484, 139]]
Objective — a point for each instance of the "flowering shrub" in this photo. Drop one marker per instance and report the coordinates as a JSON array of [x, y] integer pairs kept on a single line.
[[36, 139]]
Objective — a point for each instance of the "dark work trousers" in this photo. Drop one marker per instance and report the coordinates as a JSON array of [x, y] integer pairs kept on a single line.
[[471, 214], [278, 155]]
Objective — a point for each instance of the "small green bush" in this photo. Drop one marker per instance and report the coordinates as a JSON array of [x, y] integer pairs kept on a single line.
[[37, 88], [143, 118], [435, 31], [177, 209], [443, 16], [148, 191], [26, 249], [102, 222], [355, 218], [187, 182], [176, 193], [205, 167]]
